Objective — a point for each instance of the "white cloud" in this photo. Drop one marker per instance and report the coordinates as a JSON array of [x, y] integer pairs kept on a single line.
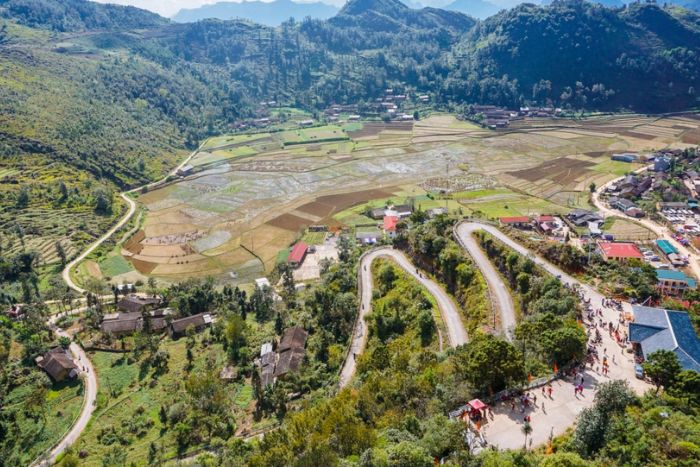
[[169, 8]]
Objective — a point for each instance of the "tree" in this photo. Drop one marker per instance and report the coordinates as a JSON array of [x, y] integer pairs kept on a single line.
[[408, 454], [235, 331], [60, 252], [662, 367], [490, 363], [592, 187], [427, 327]]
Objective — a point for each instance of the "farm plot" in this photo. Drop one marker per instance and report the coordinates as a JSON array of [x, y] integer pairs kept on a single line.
[[240, 215], [626, 230]]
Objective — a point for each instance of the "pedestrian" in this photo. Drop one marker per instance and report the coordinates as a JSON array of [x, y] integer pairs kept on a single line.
[[549, 390], [613, 359], [512, 406], [534, 399], [544, 391]]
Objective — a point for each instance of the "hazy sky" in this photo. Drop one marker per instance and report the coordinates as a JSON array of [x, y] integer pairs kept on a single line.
[[170, 7]]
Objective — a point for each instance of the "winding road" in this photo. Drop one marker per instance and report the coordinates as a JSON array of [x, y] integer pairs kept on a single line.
[[90, 395], [89, 377], [456, 333], [504, 429], [498, 291]]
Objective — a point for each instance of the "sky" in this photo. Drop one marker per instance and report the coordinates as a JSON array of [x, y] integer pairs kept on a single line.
[[168, 8]]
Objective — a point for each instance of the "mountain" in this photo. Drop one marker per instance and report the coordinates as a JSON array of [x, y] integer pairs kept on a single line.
[[392, 15], [644, 56], [267, 13], [480, 9], [78, 15]]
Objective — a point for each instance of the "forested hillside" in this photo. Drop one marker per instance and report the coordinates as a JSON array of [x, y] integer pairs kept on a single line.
[[77, 15], [583, 55]]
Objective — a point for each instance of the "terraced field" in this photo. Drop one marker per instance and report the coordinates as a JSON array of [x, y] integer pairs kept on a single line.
[[251, 196]]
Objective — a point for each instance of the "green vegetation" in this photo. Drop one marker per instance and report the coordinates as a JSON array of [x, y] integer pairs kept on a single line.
[[430, 246], [548, 332]]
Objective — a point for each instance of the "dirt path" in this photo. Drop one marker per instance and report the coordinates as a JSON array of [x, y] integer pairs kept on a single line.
[[456, 333], [500, 295], [554, 416], [81, 358], [90, 394]]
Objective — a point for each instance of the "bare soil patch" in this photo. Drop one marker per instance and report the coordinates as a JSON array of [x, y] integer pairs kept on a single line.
[[633, 134], [691, 137], [317, 208], [143, 267], [133, 245], [289, 222], [558, 170]]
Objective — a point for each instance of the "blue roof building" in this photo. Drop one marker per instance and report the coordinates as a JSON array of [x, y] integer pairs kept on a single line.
[[666, 247], [658, 329]]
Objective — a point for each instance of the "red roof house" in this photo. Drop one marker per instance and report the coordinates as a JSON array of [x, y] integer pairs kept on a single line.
[[545, 218], [619, 251], [390, 223], [297, 255]]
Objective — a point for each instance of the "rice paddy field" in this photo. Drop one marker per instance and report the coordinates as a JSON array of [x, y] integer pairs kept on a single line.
[[251, 196]]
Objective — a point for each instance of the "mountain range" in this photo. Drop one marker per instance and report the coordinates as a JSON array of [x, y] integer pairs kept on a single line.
[[267, 13], [110, 90]]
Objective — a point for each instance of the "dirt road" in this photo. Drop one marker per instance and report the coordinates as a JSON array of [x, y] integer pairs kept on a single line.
[[456, 332]]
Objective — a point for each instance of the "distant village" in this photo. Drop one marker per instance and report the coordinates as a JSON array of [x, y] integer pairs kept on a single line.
[[392, 105], [494, 117]]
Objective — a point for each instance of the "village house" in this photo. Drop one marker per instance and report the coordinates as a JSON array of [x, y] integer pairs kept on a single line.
[[179, 327], [520, 222], [583, 217], [267, 362], [14, 312], [619, 251], [389, 225], [402, 210], [133, 303], [58, 364], [185, 170], [118, 324], [378, 213], [673, 283], [298, 254], [290, 351], [626, 206], [366, 238], [262, 282]]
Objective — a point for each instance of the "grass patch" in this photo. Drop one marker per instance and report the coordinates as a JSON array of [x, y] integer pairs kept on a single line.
[[314, 238], [115, 265]]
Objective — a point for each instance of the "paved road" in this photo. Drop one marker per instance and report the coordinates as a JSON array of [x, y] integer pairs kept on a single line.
[[500, 294], [89, 391], [456, 333], [660, 230], [560, 412]]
